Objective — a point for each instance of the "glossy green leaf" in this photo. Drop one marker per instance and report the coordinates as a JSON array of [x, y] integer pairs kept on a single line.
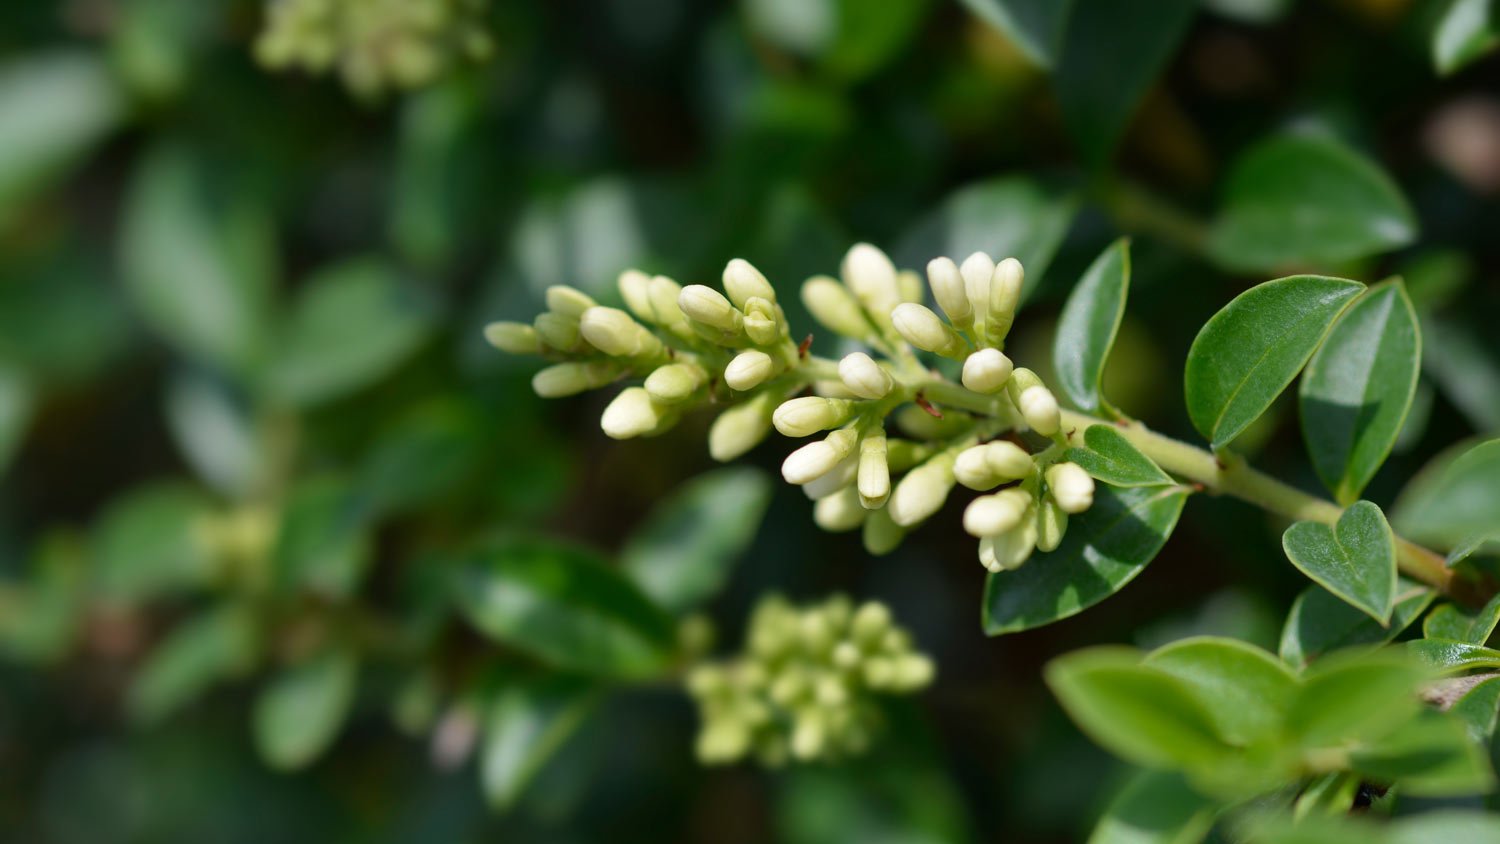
[[215, 430], [1104, 549], [300, 713], [1355, 697], [685, 551], [1455, 498], [1454, 657], [1429, 756], [1155, 807], [352, 325], [324, 544], [1035, 26], [565, 606], [1457, 624], [1245, 690], [1355, 559], [1109, 457], [150, 543], [1086, 329], [1358, 387], [1111, 56], [219, 644], [1248, 352], [1478, 708], [1307, 200], [525, 726], [1466, 31], [1320, 623]]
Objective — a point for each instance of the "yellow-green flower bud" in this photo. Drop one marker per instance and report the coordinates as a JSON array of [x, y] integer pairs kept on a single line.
[[839, 512], [763, 322], [911, 672], [1005, 297], [922, 491], [558, 332], [926, 330], [992, 515], [633, 413], [708, 306], [1009, 550], [515, 338], [722, 741], [910, 285], [808, 735], [568, 301], [1037, 404], [741, 428], [635, 289], [815, 460], [871, 276], [1071, 487], [987, 370], [663, 293], [881, 535], [874, 478], [614, 332], [870, 623], [948, 290], [572, 378], [864, 377], [1051, 525], [805, 416], [987, 466], [742, 282], [834, 307], [749, 370], [675, 382]]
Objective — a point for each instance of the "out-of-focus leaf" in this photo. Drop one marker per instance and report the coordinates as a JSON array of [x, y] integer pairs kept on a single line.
[[215, 431], [1104, 549], [1446, 826], [1358, 387], [1086, 329], [684, 552], [324, 544], [1011, 216], [352, 325], [1354, 559], [299, 714], [150, 543], [435, 169], [40, 616], [423, 455], [1468, 374], [1111, 56], [1111, 458], [154, 43], [61, 319], [527, 723], [219, 644], [911, 801], [1248, 352], [1466, 31], [1035, 26], [1355, 697], [563, 605], [16, 404], [1250, 11], [869, 35], [1435, 827], [1245, 690], [1320, 623], [1155, 807], [1307, 199], [1454, 498], [1429, 756], [1460, 625]]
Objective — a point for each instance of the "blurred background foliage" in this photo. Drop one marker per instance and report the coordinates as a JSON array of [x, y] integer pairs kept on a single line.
[[259, 466]]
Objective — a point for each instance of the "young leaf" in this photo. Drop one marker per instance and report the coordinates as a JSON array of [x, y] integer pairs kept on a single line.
[[683, 554], [1460, 625], [1139, 713], [1355, 559], [299, 714], [1086, 329], [1307, 199], [1454, 498], [1245, 690], [1035, 26], [1454, 657], [1104, 549], [564, 606], [1320, 623], [1466, 31], [1247, 353], [1355, 697], [527, 723], [1358, 387], [1430, 756], [1155, 807], [1112, 459], [217, 645]]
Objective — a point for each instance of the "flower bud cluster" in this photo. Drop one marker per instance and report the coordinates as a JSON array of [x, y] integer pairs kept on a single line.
[[806, 685]]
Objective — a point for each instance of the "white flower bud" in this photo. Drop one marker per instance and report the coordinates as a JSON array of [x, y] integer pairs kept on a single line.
[[614, 332], [558, 331], [832, 305], [870, 622], [568, 301], [675, 382], [987, 370], [1005, 297], [635, 289], [1010, 549], [808, 736], [1051, 525], [926, 330], [839, 512], [1039, 408], [987, 466], [741, 427], [881, 534], [802, 417], [835, 481], [872, 278], [912, 672], [567, 379], [948, 289], [977, 270], [864, 377], [709, 307], [748, 370], [814, 460], [742, 281], [632, 413], [515, 338], [992, 515], [922, 491], [910, 285], [664, 292], [1071, 487], [874, 477], [761, 330]]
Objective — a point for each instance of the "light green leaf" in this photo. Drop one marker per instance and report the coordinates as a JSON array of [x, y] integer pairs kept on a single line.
[[1086, 329], [1307, 200], [1155, 807], [219, 644], [352, 324], [1355, 559], [1460, 625], [41, 618], [1320, 623], [1445, 827], [1245, 690], [527, 723], [300, 713], [215, 430], [1355, 697], [1248, 352], [1429, 756], [1358, 388], [1104, 549], [1454, 498], [150, 543], [564, 606], [1478, 709], [1035, 26], [1454, 657], [1466, 31], [1109, 457], [324, 544], [684, 552]]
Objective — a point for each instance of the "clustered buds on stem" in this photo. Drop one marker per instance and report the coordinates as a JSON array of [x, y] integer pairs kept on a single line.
[[893, 436], [806, 685]]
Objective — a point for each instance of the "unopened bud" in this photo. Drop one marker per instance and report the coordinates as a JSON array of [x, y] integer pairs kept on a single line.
[[881, 534], [614, 332], [635, 289], [841, 478], [911, 672], [515, 338], [762, 331], [922, 491], [870, 622], [568, 301], [568, 379], [872, 278], [874, 478], [839, 512], [948, 289], [864, 377], [814, 460], [992, 515], [632, 414], [675, 382], [833, 306], [742, 281], [926, 330], [1005, 297], [741, 427], [977, 270], [1009, 550], [808, 736], [987, 466], [1051, 525], [1039, 408], [749, 370], [1071, 487], [663, 293], [708, 306], [910, 285], [802, 417], [558, 331], [986, 371]]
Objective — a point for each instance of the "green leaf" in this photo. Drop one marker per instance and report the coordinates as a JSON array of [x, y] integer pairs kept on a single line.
[[1247, 353], [1445, 827], [1011, 216], [1466, 31], [564, 606], [429, 451], [1155, 807], [41, 618], [1141, 714], [352, 325], [1245, 690], [1111, 458], [1320, 623], [150, 543], [1307, 199], [215, 430], [1454, 657], [527, 723], [1035, 26], [684, 552], [1430, 756], [869, 36], [1355, 559], [17, 401], [299, 714], [324, 544], [1464, 369], [1478, 709], [1104, 549], [1086, 329], [1454, 498], [1111, 56], [1460, 625], [1358, 388], [1355, 697], [219, 644]]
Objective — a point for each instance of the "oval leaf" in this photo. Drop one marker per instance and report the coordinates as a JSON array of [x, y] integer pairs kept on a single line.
[[1355, 697], [217, 645], [1454, 657], [1430, 756], [1245, 690], [1112, 459], [1466, 31], [299, 714], [527, 723], [1320, 623], [1035, 26], [1355, 559], [1460, 625], [1455, 499], [1478, 709], [1248, 352], [1104, 549], [1086, 329], [1358, 388]]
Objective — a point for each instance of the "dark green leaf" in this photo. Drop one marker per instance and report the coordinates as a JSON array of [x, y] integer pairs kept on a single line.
[[324, 544], [868, 36], [1035, 26], [1155, 807], [150, 543], [1358, 388], [1355, 559], [527, 723], [1466, 31], [17, 400], [1460, 625], [220, 644], [1111, 458], [1355, 697], [1086, 329], [1431, 755], [299, 714], [41, 617], [1104, 549], [1454, 657], [1245, 690], [1248, 352], [1320, 623], [1455, 498]]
